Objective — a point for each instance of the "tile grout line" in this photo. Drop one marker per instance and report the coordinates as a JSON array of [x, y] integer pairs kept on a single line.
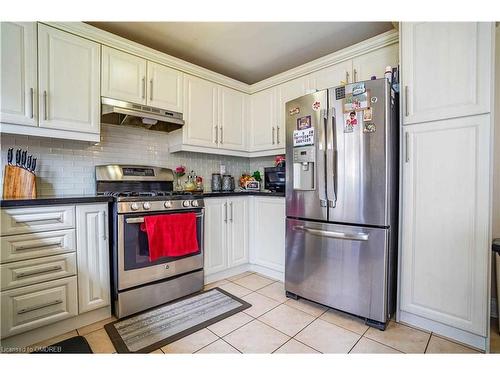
[[427, 345]]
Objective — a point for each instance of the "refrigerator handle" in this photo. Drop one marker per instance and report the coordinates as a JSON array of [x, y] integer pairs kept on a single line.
[[320, 169], [332, 157], [338, 235]]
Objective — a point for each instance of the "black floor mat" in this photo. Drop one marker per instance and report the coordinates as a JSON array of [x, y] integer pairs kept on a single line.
[[73, 345]]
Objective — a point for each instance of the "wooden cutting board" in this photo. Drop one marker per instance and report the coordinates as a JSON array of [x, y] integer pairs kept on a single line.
[[18, 183]]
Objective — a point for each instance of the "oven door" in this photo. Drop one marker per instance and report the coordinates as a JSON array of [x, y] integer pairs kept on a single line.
[[134, 266]]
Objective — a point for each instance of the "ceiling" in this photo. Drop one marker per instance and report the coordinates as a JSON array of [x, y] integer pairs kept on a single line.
[[246, 51]]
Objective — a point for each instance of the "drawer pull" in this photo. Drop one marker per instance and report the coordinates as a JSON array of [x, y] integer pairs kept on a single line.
[[29, 309], [37, 272], [35, 247], [47, 217]]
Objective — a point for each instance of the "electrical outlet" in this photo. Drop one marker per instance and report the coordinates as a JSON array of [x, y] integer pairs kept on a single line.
[[222, 169]]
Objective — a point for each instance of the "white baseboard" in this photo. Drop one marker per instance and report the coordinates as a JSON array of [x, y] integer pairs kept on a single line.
[[271, 273], [227, 273], [43, 333]]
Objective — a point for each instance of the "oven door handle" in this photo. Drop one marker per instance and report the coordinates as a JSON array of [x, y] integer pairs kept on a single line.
[[138, 220]]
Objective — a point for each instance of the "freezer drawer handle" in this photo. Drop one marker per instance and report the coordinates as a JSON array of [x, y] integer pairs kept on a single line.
[[338, 235]]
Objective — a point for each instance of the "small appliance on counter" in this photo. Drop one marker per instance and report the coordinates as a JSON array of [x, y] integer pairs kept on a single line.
[[274, 179], [227, 183], [19, 179], [216, 184]]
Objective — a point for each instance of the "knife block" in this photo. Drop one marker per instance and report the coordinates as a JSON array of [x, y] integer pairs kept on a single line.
[[18, 183]]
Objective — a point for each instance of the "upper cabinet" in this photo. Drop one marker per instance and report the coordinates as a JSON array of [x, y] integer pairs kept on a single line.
[[449, 77], [233, 107], [374, 63], [68, 81], [18, 100], [263, 120], [123, 76], [332, 76], [134, 79]]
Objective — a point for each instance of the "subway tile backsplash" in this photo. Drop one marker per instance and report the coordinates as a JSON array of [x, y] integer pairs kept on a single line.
[[66, 167]]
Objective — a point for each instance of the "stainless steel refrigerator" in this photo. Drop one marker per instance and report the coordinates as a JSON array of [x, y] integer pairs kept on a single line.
[[341, 199]]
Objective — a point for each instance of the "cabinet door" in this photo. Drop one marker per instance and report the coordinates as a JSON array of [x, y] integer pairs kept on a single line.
[[286, 92], [216, 216], [200, 112], [123, 76], [269, 241], [445, 219], [332, 76], [238, 231], [374, 63], [68, 81], [92, 256], [18, 99], [446, 69], [232, 116], [263, 127], [164, 87]]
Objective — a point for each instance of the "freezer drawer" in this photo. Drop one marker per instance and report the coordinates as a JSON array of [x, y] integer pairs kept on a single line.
[[344, 267]]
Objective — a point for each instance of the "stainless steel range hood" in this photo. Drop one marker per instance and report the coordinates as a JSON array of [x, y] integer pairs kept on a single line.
[[119, 112]]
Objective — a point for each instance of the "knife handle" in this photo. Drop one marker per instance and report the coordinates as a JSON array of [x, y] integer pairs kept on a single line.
[[28, 163], [9, 155], [33, 165], [18, 157], [23, 159]]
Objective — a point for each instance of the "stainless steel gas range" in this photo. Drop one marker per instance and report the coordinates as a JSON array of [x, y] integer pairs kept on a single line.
[[138, 283]]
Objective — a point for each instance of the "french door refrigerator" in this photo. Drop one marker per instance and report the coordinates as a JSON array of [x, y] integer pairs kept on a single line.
[[341, 199]]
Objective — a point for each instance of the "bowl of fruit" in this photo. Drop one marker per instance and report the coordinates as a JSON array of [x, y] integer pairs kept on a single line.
[[248, 182]]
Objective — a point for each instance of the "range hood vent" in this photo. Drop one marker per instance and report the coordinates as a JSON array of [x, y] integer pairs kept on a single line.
[[119, 112]]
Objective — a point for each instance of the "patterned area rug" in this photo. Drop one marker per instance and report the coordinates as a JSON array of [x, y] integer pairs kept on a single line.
[[149, 330]]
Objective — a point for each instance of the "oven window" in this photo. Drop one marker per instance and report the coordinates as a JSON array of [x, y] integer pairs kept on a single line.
[[136, 249]]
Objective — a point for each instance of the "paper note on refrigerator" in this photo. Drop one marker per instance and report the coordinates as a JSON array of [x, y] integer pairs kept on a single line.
[[303, 137]]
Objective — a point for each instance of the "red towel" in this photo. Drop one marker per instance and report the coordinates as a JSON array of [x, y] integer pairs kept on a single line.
[[171, 235]]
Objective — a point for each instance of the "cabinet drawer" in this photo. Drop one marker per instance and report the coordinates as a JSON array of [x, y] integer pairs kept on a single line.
[[36, 219], [34, 271], [30, 307], [36, 245]]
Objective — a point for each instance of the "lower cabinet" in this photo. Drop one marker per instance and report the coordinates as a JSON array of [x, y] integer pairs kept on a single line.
[[268, 232], [92, 250], [226, 233]]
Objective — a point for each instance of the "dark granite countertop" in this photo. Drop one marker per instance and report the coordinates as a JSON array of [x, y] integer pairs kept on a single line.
[[45, 201], [209, 194]]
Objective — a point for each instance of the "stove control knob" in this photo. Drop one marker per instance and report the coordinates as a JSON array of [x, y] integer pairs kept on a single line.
[[134, 206], [185, 204], [146, 205], [168, 204], [194, 203]]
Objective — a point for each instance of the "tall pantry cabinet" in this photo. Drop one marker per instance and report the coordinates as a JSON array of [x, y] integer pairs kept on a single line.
[[446, 92]]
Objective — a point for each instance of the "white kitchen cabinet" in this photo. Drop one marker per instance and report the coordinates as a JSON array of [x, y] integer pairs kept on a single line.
[[446, 70], [268, 237], [332, 76], [19, 87], [232, 116], [374, 63], [445, 219], [68, 81], [123, 76], [200, 112], [93, 256], [164, 87], [226, 233], [263, 120]]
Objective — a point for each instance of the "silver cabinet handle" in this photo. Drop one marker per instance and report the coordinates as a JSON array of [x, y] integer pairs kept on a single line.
[[346, 77], [144, 87], [151, 89], [272, 135], [38, 307], [225, 212], [37, 272], [278, 135], [407, 144], [355, 75], [406, 102], [105, 230], [221, 135], [216, 134], [32, 102], [338, 235], [231, 205], [45, 116]]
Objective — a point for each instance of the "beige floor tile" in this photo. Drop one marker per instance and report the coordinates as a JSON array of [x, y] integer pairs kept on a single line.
[[235, 289], [256, 337], [494, 337], [254, 281], [99, 341], [53, 340], [309, 307], [191, 343], [295, 347], [218, 347], [215, 284], [327, 338], [287, 319], [439, 345], [229, 324], [95, 326], [275, 291], [345, 321], [400, 337], [240, 275], [260, 304], [365, 346]]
